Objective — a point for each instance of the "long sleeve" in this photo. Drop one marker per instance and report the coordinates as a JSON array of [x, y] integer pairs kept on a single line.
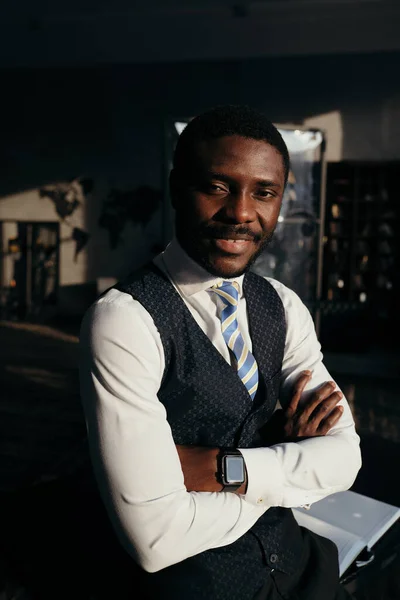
[[296, 474], [133, 451]]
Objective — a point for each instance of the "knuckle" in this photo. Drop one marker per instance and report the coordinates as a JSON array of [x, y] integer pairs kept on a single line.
[[332, 420], [333, 399], [317, 394], [328, 387], [301, 420], [322, 393]]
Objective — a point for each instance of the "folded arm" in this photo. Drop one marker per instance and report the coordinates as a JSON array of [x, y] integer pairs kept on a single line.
[[311, 447], [299, 421], [317, 454]]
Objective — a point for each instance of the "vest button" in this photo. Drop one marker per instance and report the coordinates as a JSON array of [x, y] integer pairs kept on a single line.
[[273, 558]]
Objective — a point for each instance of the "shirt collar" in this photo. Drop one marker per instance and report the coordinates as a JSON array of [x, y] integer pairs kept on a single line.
[[187, 275]]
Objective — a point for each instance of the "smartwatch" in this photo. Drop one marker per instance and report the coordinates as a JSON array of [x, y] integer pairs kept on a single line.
[[231, 469]]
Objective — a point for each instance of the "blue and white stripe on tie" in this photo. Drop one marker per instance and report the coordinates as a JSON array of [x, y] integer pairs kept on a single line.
[[245, 362]]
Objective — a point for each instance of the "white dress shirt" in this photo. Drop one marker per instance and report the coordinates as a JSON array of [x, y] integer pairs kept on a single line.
[[122, 362]]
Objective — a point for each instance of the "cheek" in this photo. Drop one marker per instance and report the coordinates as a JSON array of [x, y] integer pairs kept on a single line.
[[204, 208], [269, 214], [195, 211]]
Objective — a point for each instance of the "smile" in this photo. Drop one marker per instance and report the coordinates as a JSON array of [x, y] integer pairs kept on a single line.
[[232, 246]]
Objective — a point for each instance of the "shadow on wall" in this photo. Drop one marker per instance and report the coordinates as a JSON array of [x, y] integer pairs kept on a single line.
[[123, 206], [119, 208], [36, 273], [67, 198]]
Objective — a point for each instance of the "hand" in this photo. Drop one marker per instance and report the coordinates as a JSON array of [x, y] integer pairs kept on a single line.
[[298, 420], [317, 415]]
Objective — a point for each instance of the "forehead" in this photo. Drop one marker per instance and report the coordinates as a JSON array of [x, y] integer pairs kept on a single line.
[[241, 156]]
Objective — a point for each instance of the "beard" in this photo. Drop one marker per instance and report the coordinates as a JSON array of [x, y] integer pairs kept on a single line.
[[190, 238]]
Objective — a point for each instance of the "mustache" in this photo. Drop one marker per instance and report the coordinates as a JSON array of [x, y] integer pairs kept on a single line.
[[228, 231]]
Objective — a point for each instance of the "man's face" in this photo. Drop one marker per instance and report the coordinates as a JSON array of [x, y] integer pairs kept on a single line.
[[227, 203]]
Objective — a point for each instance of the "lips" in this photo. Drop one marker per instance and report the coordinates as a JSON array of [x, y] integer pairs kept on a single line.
[[232, 246]]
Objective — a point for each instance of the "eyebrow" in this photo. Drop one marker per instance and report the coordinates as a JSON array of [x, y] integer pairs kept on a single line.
[[261, 182]]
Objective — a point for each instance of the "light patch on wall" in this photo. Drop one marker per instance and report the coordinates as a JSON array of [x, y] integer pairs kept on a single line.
[[26, 206], [62, 202], [331, 124]]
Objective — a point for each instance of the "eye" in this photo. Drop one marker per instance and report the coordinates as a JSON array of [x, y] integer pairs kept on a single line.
[[216, 188], [263, 193]]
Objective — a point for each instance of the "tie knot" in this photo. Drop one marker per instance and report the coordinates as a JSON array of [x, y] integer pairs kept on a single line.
[[228, 290]]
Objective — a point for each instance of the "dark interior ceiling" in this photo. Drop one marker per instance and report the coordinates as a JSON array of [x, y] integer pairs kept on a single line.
[[69, 32]]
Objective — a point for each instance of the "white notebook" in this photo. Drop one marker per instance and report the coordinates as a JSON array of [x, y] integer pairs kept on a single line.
[[351, 520]]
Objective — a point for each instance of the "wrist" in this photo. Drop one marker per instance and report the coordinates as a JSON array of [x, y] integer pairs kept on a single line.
[[199, 466]]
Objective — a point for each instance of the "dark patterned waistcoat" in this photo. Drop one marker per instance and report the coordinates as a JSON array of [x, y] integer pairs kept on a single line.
[[208, 405]]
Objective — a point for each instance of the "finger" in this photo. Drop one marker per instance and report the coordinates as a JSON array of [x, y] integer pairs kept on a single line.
[[324, 408], [318, 396], [297, 391], [330, 420]]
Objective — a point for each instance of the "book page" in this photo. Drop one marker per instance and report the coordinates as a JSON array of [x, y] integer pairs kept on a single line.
[[351, 520], [349, 545], [365, 517]]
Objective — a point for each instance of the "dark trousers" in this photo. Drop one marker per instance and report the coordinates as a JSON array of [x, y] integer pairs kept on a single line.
[[317, 577]]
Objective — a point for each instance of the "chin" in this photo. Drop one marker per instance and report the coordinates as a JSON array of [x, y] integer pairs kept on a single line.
[[225, 268]]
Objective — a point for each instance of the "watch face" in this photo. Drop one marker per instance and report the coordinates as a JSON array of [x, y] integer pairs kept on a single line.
[[234, 469]]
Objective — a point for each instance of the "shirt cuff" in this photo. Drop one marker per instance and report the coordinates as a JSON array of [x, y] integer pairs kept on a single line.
[[266, 490]]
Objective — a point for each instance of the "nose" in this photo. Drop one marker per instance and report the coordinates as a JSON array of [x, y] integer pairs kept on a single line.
[[239, 207]]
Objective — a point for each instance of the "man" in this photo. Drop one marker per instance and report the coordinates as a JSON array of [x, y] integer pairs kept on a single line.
[[183, 366]]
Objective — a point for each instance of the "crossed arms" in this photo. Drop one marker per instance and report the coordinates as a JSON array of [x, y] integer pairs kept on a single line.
[[294, 423], [157, 510]]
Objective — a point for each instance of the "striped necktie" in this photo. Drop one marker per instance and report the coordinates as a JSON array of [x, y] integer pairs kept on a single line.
[[245, 362]]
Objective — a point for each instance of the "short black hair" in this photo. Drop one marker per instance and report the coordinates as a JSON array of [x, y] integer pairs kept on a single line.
[[226, 120]]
